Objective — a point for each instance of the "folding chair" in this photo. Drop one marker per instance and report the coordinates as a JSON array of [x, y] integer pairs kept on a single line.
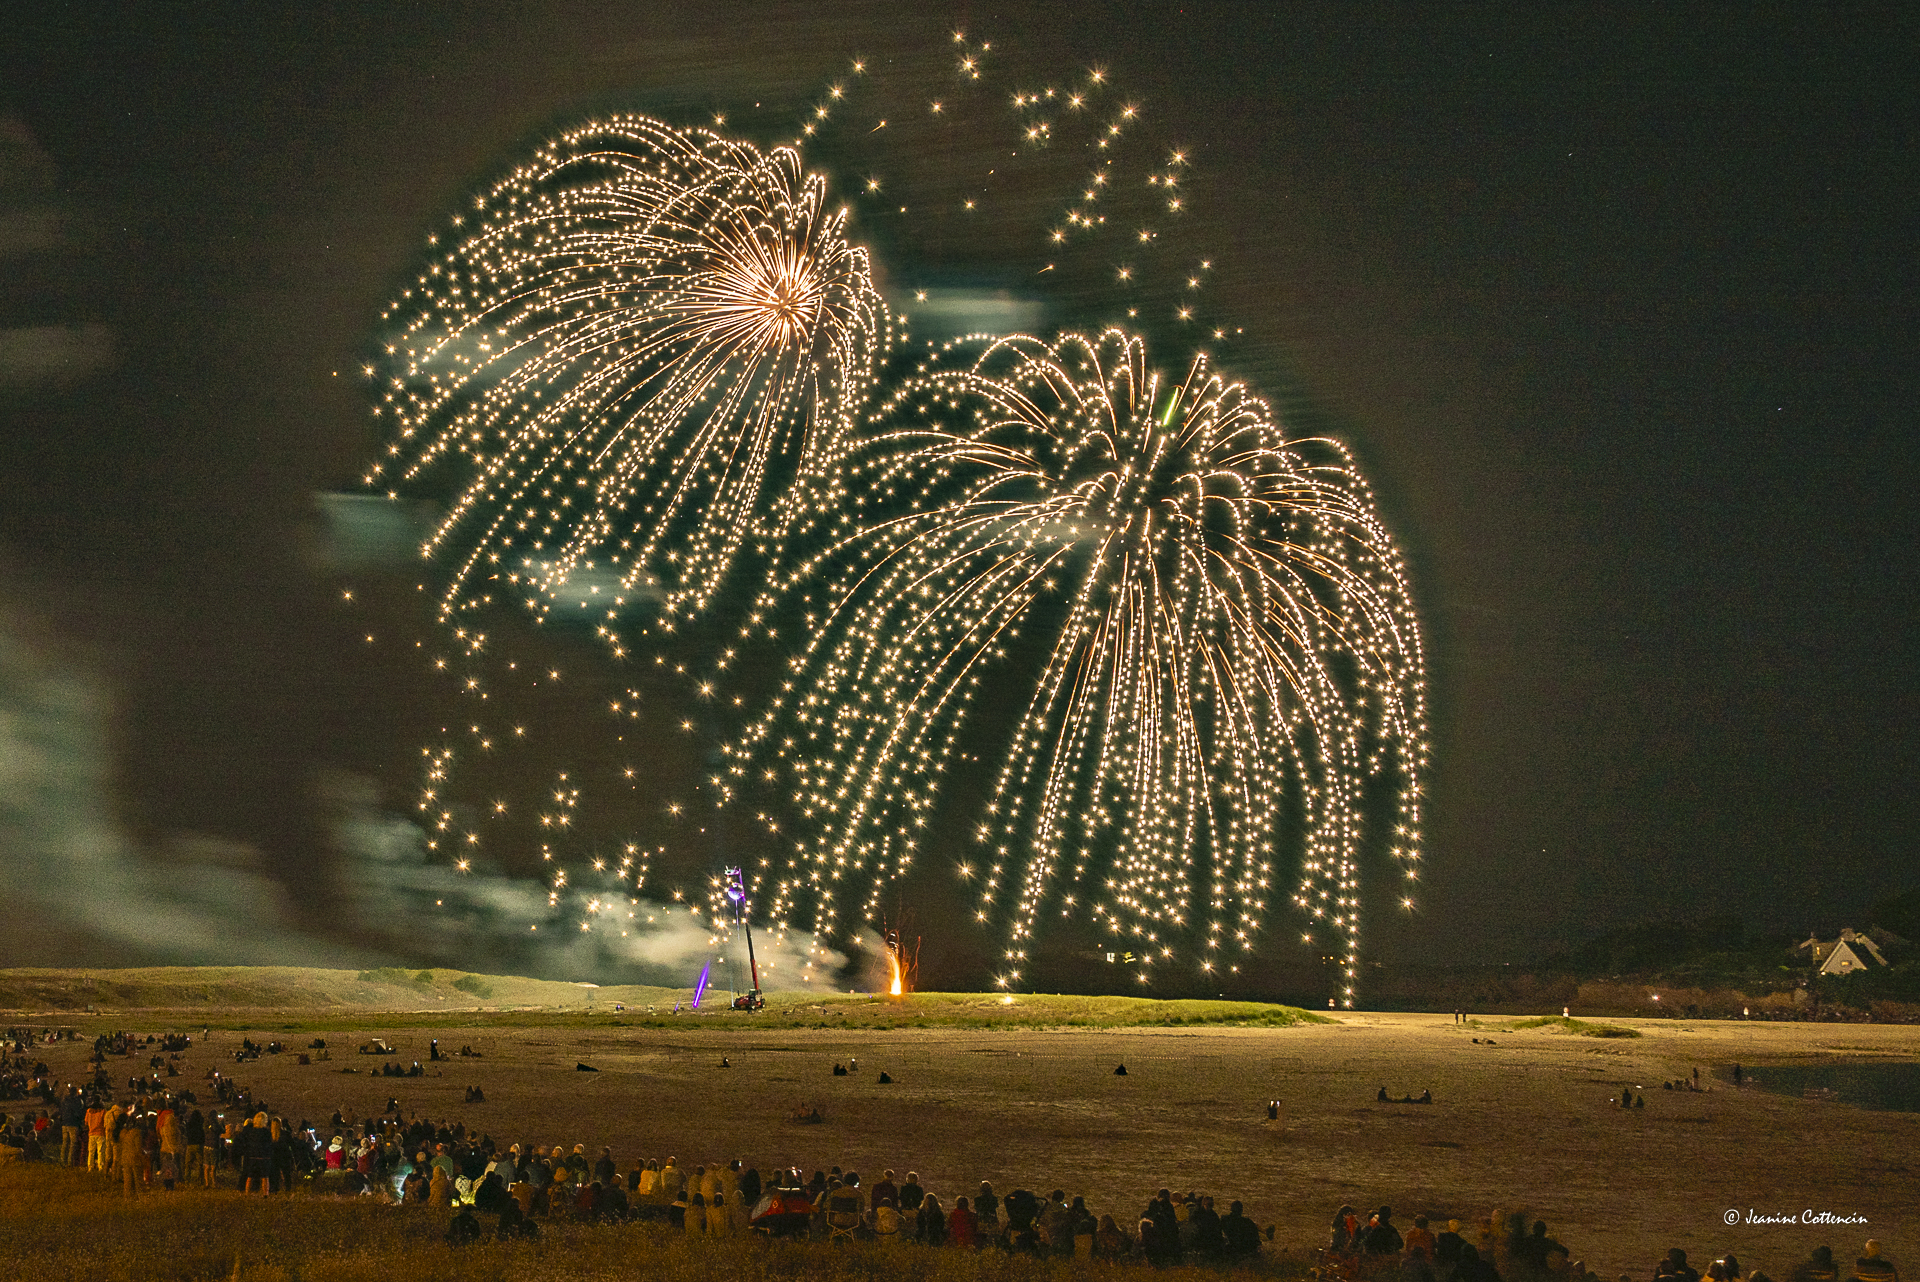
[[841, 1224]]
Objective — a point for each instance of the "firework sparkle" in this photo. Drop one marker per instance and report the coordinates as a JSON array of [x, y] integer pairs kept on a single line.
[[1205, 619], [656, 372], [643, 349]]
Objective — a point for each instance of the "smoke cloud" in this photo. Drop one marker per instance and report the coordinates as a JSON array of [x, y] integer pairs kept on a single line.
[[87, 894], [472, 921]]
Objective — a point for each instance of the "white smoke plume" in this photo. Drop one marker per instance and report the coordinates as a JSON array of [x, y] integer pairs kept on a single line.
[[84, 893], [465, 919]]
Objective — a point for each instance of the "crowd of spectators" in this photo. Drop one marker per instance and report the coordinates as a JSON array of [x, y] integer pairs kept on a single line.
[[152, 1134]]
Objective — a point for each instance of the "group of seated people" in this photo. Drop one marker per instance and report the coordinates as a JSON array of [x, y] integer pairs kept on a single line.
[[1503, 1246], [524, 1185], [1819, 1266]]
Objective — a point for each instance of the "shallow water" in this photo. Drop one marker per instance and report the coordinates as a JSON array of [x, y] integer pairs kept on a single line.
[[1887, 1087]]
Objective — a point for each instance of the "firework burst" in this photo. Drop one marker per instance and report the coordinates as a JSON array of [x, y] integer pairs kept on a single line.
[[1187, 625], [643, 372], [643, 350]]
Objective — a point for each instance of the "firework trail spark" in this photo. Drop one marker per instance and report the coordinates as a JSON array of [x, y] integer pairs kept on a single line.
[[649, 358], [644, 348], [1208, 622]]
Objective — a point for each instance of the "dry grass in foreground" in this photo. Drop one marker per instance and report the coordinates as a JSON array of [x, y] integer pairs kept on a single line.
[[58, 1224]]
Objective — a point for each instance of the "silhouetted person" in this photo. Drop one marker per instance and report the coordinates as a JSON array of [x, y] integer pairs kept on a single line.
[[1675, 1266], [1472, 1268], [464, 1229], [1818, 1267], [1381, 1237], [1240, 1235], [1347, 1231], [1874, 1267]]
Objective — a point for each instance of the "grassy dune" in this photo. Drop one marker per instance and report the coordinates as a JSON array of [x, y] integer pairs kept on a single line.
[[1578, 1027], [196, 988], [322, 1000]]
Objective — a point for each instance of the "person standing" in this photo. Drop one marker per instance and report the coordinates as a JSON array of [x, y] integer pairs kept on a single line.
[[194, 1133], [130, 1156], [168, 1125], [116, 1114], [282, 1155], [73, 1123], [96, 1121], [256, 1155]]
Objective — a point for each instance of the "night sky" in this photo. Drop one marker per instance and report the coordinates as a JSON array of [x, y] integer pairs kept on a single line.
[[1617, 305]]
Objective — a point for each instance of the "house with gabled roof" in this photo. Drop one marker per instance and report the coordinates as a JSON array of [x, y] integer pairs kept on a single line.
[[1851, 952]]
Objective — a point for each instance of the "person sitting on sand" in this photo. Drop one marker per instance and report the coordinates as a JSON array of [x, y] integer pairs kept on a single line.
[[843, 1199], [930, 1221], [1382, 1238], [1109, 1243], [1209, 1240], [413, 1188], [1420, 1237], [1818, 1267], [1055, 1224], [1240, 1235], [464, 1229], [986, 1213], [1472, 1267], [1345, 1238], [1873, 1266], [749, 1184], [962, 1225], [1675, 1268], [1382, 1097], [514, 1222], [490, 1195]]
